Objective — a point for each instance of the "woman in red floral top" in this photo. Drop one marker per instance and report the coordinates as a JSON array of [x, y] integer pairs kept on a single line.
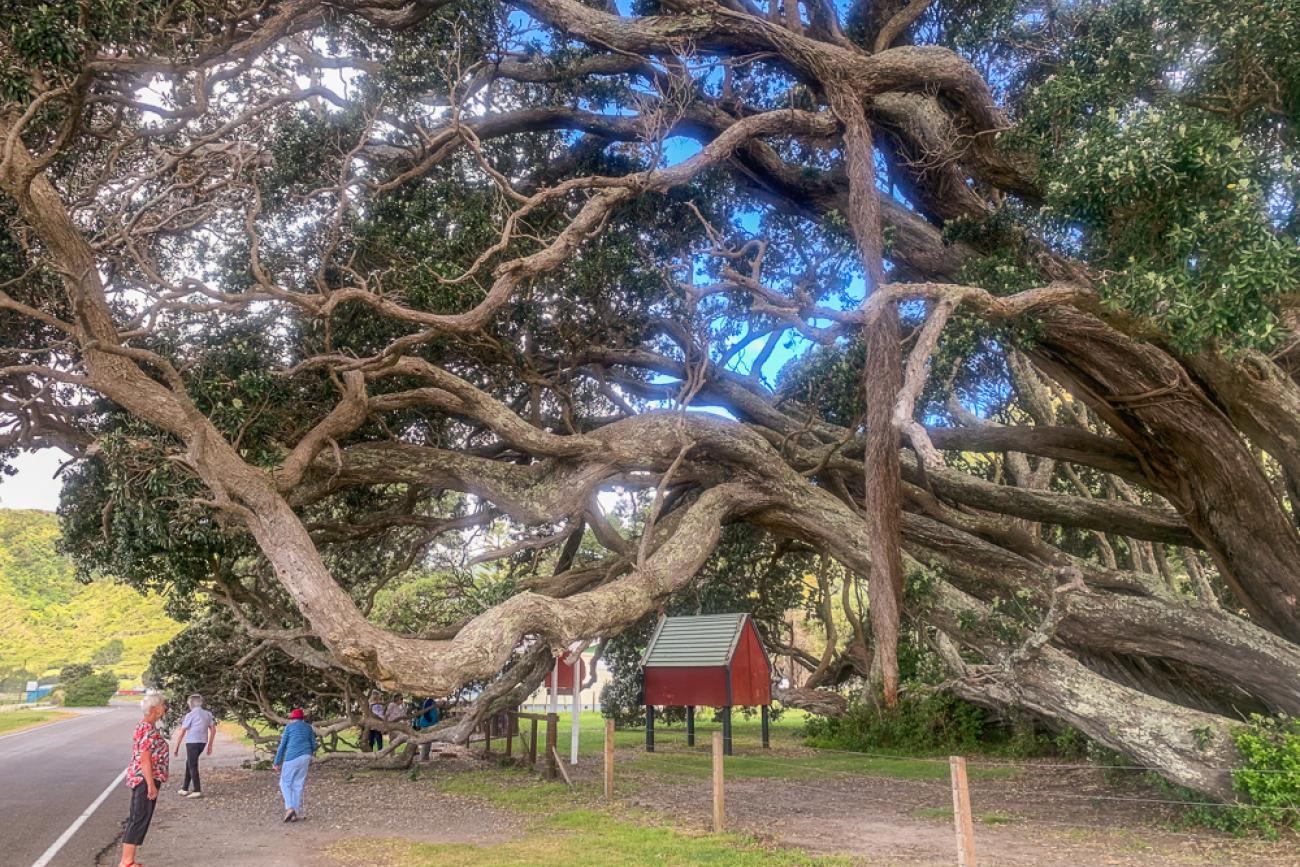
[[146, 772]]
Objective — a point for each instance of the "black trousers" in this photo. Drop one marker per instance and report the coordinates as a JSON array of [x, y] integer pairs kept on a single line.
[[137, 821], [376, 739], [192, 753]]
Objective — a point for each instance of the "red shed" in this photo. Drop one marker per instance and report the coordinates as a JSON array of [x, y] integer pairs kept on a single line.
[[566, 668], [712, 660]]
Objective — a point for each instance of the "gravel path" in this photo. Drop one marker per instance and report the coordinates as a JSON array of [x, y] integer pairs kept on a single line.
[[238, 820]]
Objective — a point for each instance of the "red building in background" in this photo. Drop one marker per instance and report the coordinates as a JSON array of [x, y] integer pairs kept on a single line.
[[712, 660]]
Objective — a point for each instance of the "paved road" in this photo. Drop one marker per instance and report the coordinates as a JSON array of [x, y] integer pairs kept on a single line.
[[51, 774]]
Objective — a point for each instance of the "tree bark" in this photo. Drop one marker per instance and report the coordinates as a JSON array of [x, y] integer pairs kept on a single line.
[[1190, 452]]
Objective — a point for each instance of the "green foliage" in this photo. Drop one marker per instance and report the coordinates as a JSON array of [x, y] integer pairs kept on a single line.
[[1268, 777], [90, 690], [918, 724], [1164, 131], [110, 653], [75, 671], [938, 724], [32, 571], [48, 619], [1198, 252]]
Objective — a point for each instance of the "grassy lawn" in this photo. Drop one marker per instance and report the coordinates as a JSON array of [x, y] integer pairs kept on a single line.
[[16, 720], [568, 826], [787, 759], [583, 838]]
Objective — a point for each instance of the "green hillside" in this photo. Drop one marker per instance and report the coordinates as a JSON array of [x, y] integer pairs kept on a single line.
[[48, 619]]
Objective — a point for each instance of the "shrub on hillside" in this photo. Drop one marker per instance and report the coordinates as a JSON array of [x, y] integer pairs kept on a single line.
[[90, 690], [75, 671], [110, 653]]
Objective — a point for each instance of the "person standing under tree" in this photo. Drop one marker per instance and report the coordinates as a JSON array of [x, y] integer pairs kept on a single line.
[[374, 737], [144, 775], [292, 759], [396, 710], [427, 719], [198, 729]]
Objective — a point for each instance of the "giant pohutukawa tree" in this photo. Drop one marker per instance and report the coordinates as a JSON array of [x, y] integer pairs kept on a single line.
[[312, 285]]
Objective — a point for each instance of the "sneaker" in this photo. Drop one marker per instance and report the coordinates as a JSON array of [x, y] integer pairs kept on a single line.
[[184, 793], [194, 795]]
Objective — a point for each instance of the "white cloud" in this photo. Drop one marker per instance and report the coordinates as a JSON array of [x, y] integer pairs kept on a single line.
[[34, 487]]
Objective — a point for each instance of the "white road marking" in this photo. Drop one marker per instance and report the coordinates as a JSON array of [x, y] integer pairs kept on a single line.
[[81, 820]]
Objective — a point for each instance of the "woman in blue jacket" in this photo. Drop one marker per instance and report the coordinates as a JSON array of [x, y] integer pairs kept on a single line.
[[297, 743]]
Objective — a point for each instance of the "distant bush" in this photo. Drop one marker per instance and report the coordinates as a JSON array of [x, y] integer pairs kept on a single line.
[[937, 723], [75, 671], [926, 724], [90, 690]]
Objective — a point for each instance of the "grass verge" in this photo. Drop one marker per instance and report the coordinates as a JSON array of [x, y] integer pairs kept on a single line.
[[17, 720], [584, 838]]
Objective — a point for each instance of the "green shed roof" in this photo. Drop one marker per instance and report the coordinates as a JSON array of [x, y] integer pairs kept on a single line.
[[704, 640]]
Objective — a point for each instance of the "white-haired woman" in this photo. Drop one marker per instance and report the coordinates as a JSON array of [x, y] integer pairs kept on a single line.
[[144, 775], [198, 730]]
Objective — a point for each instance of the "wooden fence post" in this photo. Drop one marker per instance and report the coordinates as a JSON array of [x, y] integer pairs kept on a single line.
[[532, 744], [552, 738], [609, 759], [718, 806], [511, 723], [961, 813]]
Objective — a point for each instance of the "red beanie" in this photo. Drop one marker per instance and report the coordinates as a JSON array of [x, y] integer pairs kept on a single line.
[[296, 713]]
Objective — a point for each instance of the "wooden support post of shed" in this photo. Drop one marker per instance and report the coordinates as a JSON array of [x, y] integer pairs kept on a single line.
[[690, 726], [764, 716], [726, 730], [719, 810], [961, 813], [649, 728], [552, 736], [609, 759]]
